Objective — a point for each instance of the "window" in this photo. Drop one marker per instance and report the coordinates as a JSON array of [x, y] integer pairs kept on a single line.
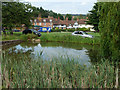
[[50, 23], [76, 32], [80, 33], [44, 20], [44, 24], [40, 23], [50, 20], [35, 20]]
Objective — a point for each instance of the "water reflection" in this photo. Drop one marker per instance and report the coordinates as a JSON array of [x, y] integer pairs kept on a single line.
[[49, 50]]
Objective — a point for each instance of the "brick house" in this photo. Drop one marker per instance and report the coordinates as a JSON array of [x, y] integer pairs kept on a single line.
[[61, 24]]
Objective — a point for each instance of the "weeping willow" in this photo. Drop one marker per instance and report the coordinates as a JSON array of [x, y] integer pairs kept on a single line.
[[109, 26]]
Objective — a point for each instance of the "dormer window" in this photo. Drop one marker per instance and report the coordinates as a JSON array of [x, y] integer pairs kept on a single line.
[[44, 20], [50, 20]]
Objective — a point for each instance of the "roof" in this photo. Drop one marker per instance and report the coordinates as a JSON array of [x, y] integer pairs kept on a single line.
[[64, 22], [82, 21], [61, 22]]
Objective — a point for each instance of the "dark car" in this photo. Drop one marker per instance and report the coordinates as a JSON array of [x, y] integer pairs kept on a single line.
[[16, 30], [36, 32], [30, 32], [27, 31]]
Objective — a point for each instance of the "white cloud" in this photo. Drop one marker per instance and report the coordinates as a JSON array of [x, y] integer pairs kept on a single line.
[[59, 0], [65, 7], [83, 3]]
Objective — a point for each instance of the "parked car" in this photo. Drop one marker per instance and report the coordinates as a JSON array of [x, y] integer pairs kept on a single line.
[[30, 31], [16, 30], [27, 31], [81, 33]]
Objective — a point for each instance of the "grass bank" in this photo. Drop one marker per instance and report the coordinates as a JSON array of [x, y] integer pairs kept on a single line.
[[18, 36], [24, 72], [67, 37], [55, 37]]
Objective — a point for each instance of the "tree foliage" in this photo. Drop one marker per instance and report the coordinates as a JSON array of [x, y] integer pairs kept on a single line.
[[69, 16], [60, 16], [109, 26], [93, 17], [16, 13]]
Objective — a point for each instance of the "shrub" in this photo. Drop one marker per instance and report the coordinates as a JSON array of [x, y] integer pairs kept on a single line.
[[69, 30], [28, 36]]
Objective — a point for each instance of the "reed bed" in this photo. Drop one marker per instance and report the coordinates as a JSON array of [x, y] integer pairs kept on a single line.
[[24, 72]]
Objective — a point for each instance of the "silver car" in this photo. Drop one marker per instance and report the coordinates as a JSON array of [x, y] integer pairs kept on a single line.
[[81, 33]]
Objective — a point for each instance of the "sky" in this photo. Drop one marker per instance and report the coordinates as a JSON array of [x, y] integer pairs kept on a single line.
[[64, 6]]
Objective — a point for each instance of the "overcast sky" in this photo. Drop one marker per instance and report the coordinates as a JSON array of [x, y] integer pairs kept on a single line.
[[64, 6]]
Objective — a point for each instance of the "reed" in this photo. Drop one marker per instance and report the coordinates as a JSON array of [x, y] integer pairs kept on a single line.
[[25, 72]]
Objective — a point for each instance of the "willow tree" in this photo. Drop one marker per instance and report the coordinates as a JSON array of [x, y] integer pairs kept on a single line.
[[109, 26]]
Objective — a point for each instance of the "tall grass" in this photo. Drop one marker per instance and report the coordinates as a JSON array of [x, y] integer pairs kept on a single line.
[[67, 37], [25, 72], [18, 36]]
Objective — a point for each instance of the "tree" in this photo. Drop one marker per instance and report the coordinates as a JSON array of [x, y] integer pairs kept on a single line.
[[69, 16], [16, 13], [109, 26], [75, 18], [60, 16], [80, 16], [93, 17], [35, 11]]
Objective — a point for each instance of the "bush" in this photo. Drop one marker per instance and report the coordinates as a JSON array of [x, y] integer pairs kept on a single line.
[[28, 36], [69, 30]]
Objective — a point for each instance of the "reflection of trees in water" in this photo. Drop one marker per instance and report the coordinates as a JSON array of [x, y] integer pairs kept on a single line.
[[28, 44], [67, 45], [92, 51]]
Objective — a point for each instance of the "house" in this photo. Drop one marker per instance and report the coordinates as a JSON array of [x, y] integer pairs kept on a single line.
[[43, 22], [61, 24]]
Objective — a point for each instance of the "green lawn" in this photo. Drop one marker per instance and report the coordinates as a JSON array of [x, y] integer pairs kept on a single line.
[[68, 37], [55, 37]]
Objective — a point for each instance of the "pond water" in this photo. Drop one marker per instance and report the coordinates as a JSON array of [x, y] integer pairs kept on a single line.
[[84, 54]]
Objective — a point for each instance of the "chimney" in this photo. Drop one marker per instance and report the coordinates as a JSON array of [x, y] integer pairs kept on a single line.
[[66, 18], [77, 19], [58, 18], [73, 17]]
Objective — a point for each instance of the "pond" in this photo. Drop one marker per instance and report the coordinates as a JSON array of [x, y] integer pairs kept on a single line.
[[83, 53]]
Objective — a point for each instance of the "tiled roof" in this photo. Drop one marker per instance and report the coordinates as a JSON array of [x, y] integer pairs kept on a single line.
[[82, 21], [64, 22], [61, 22]]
